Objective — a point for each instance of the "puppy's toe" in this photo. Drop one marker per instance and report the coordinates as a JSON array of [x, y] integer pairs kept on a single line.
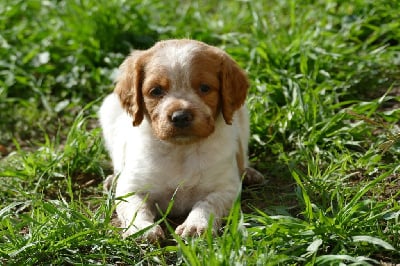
[[128, 233], [191, 229], [180, 229], [252, 177], [152, 235]]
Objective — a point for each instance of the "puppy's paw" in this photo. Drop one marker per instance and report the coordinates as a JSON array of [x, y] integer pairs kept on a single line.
[[252, 177], [152, 235], [190, 228]]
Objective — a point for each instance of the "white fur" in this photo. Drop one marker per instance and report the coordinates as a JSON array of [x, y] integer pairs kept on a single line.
[[203, 177]]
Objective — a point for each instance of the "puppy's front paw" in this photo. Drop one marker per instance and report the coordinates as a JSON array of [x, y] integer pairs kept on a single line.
[[191, 228], [252, 177], [152, 235]]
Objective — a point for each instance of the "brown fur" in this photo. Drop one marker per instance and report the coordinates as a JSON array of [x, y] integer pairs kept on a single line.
[[129, 85], [211, 66]]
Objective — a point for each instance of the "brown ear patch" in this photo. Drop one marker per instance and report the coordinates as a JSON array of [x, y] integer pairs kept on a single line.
[[129, 85], [234, 88]]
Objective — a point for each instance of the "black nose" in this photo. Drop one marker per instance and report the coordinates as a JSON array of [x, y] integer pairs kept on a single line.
[[181, 118]]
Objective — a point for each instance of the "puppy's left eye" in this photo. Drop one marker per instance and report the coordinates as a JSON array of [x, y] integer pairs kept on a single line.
[[204, 88], [157, 91]]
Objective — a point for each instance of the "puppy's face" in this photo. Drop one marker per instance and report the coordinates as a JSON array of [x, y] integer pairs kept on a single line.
[[181, 87]]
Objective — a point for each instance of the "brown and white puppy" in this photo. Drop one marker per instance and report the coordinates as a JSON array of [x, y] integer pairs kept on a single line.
[[176, 128]]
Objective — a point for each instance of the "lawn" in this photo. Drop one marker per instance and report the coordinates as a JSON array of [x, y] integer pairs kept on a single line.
[[325, 112]]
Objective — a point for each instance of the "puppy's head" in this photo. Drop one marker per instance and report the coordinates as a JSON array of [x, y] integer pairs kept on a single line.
[[181, 87]]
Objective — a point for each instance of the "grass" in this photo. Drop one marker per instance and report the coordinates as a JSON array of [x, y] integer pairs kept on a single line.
[[325, 114]]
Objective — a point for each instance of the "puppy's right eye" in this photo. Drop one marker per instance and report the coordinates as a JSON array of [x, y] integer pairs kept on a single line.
[[157, 91], [204, 88]]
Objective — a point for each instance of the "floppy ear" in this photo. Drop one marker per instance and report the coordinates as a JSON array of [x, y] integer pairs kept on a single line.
[[234, 88], [129, 86]]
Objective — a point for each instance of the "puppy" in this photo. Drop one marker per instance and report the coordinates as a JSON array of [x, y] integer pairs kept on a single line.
[[176, 128]]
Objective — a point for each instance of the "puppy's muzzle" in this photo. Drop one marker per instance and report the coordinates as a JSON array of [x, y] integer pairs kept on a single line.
[[181, 118]]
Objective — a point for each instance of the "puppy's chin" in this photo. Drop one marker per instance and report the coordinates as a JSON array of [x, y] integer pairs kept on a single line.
[[181, 139]]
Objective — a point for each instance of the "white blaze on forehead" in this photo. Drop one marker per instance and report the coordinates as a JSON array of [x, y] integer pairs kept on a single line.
[[178, 55], [177, 61]]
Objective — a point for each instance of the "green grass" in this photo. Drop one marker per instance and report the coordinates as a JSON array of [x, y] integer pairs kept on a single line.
[[325, 112]]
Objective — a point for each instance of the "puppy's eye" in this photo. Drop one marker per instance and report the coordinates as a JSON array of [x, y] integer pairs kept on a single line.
[[204, 88], [157, 91]]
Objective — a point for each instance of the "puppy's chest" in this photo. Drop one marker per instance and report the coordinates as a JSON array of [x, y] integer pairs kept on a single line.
[[183, 169], [167, 168], [155, 166]]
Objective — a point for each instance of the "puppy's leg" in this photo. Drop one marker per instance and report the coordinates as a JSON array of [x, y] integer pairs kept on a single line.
[[252, 176], [216, 205], [135, 214]]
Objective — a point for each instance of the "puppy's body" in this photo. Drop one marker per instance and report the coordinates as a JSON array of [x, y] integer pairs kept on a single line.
[[188, 141]]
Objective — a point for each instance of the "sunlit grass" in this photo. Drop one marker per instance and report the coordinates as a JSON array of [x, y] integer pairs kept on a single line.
[[324, 103]]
